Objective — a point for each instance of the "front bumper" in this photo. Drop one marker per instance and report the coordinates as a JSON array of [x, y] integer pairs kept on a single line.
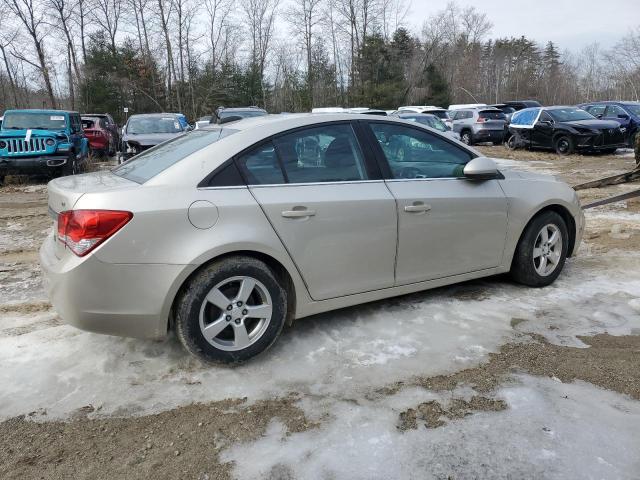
[[127, 300], [39, 164]]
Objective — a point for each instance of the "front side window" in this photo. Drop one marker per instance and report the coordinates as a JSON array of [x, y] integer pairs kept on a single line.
[[413, 153], [329, 153]]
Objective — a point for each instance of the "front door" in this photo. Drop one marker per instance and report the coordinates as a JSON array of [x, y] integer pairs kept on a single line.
[[336, 220], [542, 133], [447, 225]]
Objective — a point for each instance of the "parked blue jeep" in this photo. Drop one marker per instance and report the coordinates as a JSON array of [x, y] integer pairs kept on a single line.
[[42, 141], [627, 114]]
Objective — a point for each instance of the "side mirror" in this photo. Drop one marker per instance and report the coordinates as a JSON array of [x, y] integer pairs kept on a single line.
[[481, 168], [623, 116]]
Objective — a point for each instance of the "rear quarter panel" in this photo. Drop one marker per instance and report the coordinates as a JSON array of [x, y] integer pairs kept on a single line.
[[161, 232]]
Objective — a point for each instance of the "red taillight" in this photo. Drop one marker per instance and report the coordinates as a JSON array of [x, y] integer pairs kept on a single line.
[[84, 230], [482, 120]]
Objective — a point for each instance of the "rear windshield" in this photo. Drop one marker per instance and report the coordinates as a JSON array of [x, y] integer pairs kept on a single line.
[[30, 120], [438, 113], [150, 163], [144, 125], [91, 122], [241, 113], [492, 115]]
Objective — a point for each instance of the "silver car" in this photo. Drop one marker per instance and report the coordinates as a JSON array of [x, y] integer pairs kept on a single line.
[[476, 125], [228, 233]]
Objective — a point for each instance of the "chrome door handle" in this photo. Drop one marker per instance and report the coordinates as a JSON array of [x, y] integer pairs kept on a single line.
[[298, 213], [417, 208]]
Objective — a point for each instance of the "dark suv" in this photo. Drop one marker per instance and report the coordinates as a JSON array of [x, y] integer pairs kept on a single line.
[[627, 114]]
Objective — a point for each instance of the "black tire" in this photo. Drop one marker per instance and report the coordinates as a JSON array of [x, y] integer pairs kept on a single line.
[[466, 137], [512, 142], [523, 266], [563, 145], [72, 166], [190, 301]]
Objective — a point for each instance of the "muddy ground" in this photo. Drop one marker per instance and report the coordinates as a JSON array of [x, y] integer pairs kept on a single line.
[[186, 441]]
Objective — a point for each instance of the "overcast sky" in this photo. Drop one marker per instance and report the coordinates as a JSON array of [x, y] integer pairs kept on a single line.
[[571, 24]]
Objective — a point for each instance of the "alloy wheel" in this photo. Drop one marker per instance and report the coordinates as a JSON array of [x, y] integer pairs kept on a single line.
[[235, 313], [547, 250]]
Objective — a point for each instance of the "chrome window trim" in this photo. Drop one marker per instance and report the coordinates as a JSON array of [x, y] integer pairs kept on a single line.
[[346, 182]]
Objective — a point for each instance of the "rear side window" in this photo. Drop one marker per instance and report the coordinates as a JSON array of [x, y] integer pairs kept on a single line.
[[150, 163], [329, 153], [260, 166], [492, 115]]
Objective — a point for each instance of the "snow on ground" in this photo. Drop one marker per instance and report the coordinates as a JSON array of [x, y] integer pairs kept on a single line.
[[550, 430], [350, 352]]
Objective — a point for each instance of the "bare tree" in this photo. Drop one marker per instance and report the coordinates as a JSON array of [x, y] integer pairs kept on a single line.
[[219, 19], [107, 15], [260, 16], [32, 18], [304, 16]]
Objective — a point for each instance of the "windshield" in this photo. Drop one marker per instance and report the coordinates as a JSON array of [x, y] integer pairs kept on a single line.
[[33, 120], [633, 108], [143, 125], [569, 114], [151, 162], [241, 113], [429, 121]]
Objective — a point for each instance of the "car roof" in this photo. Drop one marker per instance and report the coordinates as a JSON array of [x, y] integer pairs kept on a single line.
[[252, 131], [39, 110], [154, 115]]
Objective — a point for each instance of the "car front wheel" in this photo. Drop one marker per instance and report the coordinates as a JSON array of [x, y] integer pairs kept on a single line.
[[541, 251], [231, 311], [564, 145]]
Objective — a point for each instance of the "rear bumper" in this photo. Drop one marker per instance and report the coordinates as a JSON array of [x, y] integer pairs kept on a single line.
[[31, 164], [98, 143], [127, 300], [485, 135]]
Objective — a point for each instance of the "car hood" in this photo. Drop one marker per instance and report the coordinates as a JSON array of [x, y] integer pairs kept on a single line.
[[150, 139], [595, 123]]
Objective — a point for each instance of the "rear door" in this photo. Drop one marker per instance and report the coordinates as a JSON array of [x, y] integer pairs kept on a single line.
[[325, 198], [447, 225]]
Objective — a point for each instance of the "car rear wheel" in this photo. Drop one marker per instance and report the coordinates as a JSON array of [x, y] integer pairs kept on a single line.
[[564, 145], [231, 311], [542, 251], [466, 138]]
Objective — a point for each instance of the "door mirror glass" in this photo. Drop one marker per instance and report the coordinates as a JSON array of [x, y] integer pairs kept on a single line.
[[481, 168]]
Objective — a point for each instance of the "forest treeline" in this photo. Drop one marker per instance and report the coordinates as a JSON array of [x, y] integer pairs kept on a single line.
[[191, 56]]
